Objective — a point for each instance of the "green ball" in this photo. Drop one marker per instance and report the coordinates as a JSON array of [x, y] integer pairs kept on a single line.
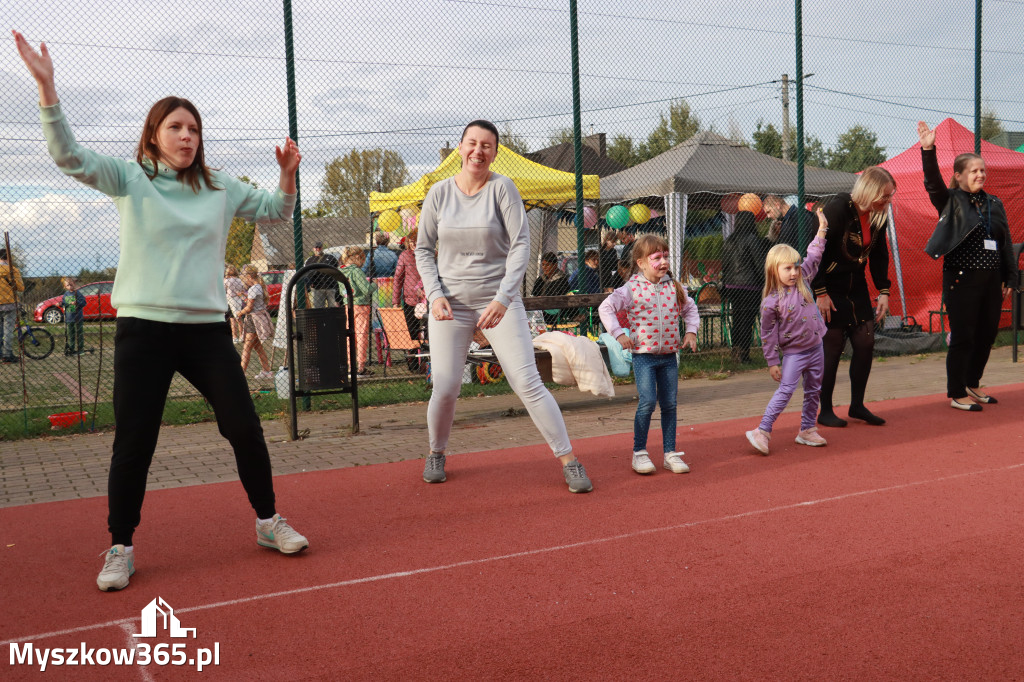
[[617, 217]]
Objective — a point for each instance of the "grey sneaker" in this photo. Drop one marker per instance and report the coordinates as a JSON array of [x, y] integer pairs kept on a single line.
[[117, 568], [277, 534], [576, 477], [433, 469]]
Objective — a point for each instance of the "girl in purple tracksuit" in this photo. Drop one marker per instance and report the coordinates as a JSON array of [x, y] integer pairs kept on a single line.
[[791, 325]]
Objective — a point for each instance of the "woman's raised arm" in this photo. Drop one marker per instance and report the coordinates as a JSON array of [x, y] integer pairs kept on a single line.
[[40, 66]]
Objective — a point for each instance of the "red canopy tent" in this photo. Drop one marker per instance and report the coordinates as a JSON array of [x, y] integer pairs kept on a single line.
[[915, 217]]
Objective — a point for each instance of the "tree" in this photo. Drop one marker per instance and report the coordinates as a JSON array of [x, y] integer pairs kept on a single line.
[[991, 126], [240, 234], [624, 150], [815, 153], [856, 149], [513, 141], [679, 127], [561, 136], [348, 180], [768, 140]]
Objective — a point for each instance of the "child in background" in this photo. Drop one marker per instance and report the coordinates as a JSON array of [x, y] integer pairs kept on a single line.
[[587, 279], [352, 260], [654, 302], [73, 303], [791, 324], [235, 291], [256, 320]]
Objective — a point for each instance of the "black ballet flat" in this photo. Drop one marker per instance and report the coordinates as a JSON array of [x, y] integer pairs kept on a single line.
[[966, 407], [981, 398], [830, 419], [866, 415]]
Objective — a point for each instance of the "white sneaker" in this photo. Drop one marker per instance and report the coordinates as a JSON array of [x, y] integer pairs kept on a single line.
[[264, 375], [117, 568], [277, 534], [674, 463], [642, 463]]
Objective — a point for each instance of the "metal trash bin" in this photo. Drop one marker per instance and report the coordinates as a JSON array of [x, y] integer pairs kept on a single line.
[[320, 342], [321, 338]]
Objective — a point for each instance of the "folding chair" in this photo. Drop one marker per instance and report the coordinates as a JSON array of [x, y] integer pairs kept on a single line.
[[396, 333]]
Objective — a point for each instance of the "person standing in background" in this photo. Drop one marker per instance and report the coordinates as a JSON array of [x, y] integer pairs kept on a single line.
[[321, 286], [74, 317], [10, 286]]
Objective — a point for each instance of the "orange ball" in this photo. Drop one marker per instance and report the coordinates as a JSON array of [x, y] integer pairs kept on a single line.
[[750, 202]]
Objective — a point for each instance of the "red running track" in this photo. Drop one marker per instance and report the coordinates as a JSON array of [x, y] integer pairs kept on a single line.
[[893, 553]]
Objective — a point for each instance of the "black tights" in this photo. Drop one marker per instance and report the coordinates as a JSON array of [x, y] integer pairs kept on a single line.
[[862, 338]]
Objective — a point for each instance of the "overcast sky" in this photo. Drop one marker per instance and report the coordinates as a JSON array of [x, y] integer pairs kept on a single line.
[[408, 75]]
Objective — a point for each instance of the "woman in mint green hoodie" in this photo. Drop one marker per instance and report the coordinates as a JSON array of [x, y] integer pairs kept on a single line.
[[174, 217]]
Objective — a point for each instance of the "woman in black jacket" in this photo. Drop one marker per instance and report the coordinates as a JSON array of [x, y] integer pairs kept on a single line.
[[856, 241], [978, 267], [743, 254]]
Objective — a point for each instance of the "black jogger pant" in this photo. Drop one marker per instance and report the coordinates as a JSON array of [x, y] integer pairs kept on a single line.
[[146, 356]]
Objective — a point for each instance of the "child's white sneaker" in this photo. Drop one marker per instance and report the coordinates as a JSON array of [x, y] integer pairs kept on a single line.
[[642, 463], [759, 439], [811, 437], [674, 463]]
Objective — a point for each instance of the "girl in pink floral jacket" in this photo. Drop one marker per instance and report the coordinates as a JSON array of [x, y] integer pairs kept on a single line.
[[653, 302]]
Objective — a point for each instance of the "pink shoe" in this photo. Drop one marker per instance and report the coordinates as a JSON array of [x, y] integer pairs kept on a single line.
[[759, 439], [811, 437]]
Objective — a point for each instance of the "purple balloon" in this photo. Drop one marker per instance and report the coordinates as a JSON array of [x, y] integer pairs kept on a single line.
[[589, 217]]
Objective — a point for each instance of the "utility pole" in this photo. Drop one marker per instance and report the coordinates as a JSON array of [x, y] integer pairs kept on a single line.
[[785, 117]]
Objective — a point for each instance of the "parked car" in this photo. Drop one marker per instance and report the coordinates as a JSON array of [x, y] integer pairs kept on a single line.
[[274, 280], [97, 304]]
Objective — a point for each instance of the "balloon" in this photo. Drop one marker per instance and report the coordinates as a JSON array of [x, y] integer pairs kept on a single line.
[[730, 203], [655, 213], [589, 217], [640, 213], [617, 217], [389, 221], [750, 202]]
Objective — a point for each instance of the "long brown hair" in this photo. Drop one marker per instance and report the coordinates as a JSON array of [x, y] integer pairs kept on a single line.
[[148, 149], [644, 246]]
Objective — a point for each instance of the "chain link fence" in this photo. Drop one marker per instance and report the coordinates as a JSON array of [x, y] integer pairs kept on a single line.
[[688, 115]]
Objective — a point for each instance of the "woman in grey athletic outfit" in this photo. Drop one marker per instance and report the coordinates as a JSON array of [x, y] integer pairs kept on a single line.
[[477, 222]]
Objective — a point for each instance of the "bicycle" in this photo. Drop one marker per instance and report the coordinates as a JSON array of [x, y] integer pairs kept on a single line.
[[36, 342]]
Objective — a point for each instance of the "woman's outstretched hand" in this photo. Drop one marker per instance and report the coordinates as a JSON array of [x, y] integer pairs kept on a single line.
[[288, 156], [926, 134], [40, 66]]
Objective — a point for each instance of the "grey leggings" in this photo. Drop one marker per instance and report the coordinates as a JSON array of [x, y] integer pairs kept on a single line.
[[513, 346]]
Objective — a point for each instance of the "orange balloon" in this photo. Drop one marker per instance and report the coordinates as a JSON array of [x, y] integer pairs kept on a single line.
[[750, 202]]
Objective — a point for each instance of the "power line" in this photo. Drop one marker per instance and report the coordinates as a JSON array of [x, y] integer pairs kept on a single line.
[[697, 24]]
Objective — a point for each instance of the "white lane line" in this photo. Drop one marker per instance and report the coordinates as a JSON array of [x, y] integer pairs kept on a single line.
[[530, 552], [133, 643]]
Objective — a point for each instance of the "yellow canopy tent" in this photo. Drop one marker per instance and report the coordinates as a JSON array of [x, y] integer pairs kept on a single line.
[[539, 185]]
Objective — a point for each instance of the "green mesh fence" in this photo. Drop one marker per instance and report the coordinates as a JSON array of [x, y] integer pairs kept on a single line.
[[688, 112]]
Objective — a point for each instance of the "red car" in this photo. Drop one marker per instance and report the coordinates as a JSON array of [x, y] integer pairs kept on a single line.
[[97, 304], [273, 280]]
